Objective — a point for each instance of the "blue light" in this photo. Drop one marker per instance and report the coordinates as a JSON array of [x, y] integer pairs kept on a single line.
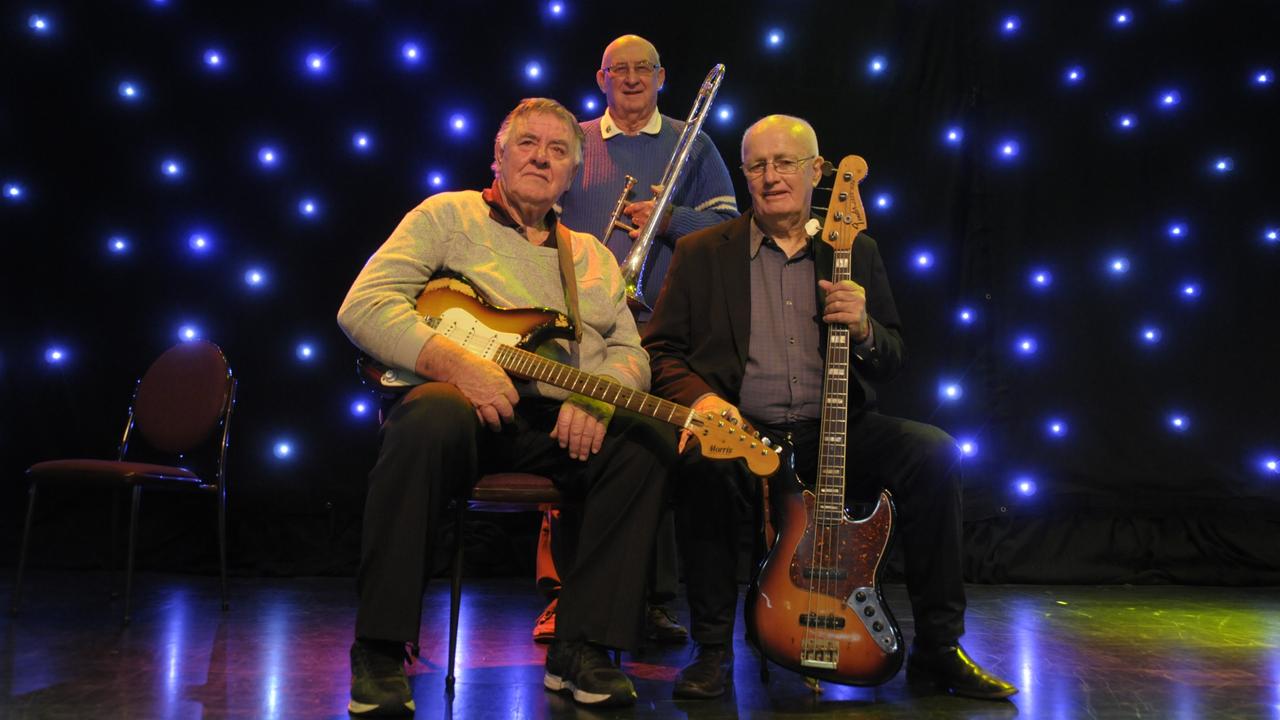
[[13, 191], [255, 277], [55, 355], [1041, 278], [1178, 422], [556, 8], [304, 351], [129, 90], [1150, 335], [774, 38], [118, 245], [213, 59], [725, 113], [1269, 465], [1270, 235], [877, 65], [1073, 75], [360, 408], [923, 260], [1189, 291], [1025, 485], [1010, 25], [171, 168], [316, 63], [308, 207], [268, 157], [950, 391], [953, 135], [1126, 122], [1026, 345], [458, 124], [283, 449], [1118, 265], [1169, 99], [1056, 428], [1008, 149], [968, 446], [966, 316], [187, 333], [435, 180], [1223, 165], [1178, 230], [39, 24], [411, 53], [1122, 18], [199, 243], [361, 142], [1264, 77], [883, 201], [590, 104], [533, 70]]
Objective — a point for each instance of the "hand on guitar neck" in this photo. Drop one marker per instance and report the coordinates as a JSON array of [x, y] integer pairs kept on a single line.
[[482, 381], [716, 405], [846, 304]]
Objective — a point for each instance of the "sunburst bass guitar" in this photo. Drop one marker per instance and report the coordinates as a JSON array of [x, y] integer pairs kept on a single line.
[[815, 606], [454, 308]]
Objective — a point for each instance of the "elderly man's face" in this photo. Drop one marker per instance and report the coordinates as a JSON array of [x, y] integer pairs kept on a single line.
[[537, 162], [631, 92], [774, 193]]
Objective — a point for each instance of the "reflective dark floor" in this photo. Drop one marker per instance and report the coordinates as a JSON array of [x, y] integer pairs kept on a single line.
[[281, 652]]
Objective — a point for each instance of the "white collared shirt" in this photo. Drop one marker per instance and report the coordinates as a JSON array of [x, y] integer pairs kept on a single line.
[[609, 128]]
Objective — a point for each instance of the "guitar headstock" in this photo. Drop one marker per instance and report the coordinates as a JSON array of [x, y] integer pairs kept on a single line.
[[720, 439], [845, 214]]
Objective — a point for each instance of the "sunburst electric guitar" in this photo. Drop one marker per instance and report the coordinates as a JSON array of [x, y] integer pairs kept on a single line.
[[815, 606], [452, 306]]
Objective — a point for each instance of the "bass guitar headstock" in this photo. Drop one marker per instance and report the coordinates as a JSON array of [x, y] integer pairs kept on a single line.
[[845, 214]]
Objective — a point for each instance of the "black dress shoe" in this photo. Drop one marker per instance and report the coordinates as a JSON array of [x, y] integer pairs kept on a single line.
[[660, 625], [708, 676], [949, 669]]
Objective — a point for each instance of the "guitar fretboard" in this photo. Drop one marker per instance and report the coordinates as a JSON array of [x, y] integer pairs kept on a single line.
[[829, 507], [535, 367]]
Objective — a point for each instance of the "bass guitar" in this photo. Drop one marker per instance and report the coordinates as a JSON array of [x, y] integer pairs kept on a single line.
[[815, 606], [454, 307]]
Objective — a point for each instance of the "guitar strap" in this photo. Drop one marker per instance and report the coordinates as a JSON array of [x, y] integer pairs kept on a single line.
[[564, 250]]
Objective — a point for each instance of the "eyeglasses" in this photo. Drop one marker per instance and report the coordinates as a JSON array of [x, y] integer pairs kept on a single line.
[[782, 166], [640, 68]]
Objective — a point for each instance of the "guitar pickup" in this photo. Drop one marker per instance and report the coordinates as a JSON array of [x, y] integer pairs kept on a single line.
[[830, 622]]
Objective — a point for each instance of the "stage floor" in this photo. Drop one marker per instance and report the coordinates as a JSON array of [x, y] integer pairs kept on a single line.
[[281, 652]]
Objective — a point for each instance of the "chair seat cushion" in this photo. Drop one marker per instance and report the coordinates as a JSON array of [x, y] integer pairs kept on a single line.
[[515, 489], [85, 471]]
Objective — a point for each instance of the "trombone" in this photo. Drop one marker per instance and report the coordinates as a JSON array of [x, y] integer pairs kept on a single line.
[[634, 264]]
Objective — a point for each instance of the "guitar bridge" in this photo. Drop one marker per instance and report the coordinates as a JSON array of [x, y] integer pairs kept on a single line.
[[815, 653]]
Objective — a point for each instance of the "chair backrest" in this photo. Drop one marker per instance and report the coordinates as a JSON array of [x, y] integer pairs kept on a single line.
[[182, 396]]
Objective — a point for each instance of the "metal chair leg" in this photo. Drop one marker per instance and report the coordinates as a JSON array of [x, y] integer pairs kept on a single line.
[[222, 543], [22, 554], [133, 541], [455, 591], [114, 569]]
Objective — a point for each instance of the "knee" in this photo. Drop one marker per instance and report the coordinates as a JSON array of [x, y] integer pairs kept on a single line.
[[433, 410], [939, 452]]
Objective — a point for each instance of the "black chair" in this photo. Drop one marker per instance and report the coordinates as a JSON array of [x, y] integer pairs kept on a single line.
[[181, 409]]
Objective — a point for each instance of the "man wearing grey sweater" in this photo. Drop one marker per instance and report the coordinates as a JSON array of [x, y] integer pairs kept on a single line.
[[467, 417]]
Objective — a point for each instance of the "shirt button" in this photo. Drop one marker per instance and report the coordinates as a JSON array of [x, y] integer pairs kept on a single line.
[[789, 303], [794, 380], [791, 341]]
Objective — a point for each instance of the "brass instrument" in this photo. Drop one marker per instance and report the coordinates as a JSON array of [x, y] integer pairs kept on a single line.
[[633, 266]]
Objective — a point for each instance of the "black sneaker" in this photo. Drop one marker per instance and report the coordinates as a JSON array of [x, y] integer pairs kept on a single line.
[[660, 625], [379, 686], [586, 671]]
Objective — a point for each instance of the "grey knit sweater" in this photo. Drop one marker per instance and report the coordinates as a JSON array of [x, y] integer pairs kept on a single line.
[[454, 232]]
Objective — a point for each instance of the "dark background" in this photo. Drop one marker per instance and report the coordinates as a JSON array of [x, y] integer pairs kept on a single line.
[[1119, 498]]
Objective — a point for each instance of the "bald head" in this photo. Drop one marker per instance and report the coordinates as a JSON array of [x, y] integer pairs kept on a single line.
[[632, 46], [796, 130]]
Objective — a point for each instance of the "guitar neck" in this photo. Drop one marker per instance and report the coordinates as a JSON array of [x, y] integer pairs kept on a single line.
[[535, 367], [829, 508]]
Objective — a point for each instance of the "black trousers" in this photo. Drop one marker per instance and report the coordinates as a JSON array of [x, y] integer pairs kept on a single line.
[[918, 463], [433, 451]]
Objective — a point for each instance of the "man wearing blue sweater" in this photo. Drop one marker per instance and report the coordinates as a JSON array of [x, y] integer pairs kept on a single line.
[[633, 138]]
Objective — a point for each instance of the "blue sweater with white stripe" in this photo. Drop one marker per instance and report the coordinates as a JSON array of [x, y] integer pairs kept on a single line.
[[703, 197]]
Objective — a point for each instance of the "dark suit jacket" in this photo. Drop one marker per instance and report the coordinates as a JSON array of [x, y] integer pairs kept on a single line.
[[699, 334]]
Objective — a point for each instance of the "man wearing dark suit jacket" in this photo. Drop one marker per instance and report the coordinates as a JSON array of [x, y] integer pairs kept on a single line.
[[737, 331]]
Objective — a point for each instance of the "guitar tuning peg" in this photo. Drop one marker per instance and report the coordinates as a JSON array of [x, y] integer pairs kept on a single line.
[[767, 442]]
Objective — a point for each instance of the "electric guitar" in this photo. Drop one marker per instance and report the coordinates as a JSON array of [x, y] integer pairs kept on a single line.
[[452, 306], [815, 606]]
